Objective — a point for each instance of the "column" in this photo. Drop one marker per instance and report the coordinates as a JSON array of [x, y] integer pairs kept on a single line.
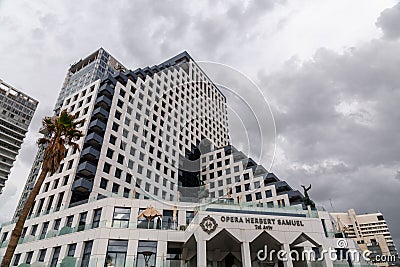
[[326, 261], [288, 262], [132, 252], [246, 257], [202, 253], [161, 253]]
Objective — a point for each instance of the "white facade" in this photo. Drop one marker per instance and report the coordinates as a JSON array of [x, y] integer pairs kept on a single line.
[[240, 231], [16, 112]]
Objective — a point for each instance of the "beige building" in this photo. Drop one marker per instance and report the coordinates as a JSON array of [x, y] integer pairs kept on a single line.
[[371, 232]]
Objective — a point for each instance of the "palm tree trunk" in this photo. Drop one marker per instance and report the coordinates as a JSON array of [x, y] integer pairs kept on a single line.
[[16, 233]]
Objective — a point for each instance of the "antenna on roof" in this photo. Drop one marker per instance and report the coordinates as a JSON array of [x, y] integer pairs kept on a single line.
[[330, 201]]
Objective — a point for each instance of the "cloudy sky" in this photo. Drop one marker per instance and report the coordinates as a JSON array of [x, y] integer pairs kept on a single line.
[[329, 69]]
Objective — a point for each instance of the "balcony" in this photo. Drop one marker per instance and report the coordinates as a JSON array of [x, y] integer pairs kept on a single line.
[[82, 185], [106, 89], [103, 101], [100, 113], [97, 125], [90, 153], [94, 139], [87, 169]]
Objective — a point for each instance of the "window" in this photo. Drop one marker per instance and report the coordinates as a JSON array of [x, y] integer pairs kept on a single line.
[[4, 237], [34, 229], [220, 193], [118, 173], [86, 253], [96, 218], [29, 257], [103, 183], [65, 181], [82, 221], [140, 169], [110, 153], [189, 217], [128, 178], [113, 139], [40, 206], [57, 224], [148, 248], [258, 195], [246, 176], [169, 221], [70, 163], [69, 221], [248, 198], [56, 255], [125, 133], [238, 189], [71, 250], [59, 201], [42, 255], [16, 259], [115, 127], [116, 253], [122, 145], [55, 184], [147, 187], [46, 187], [115, 188], [270, 204], [121, 217], [106, 167], [126, 192], [268, 193], [44, 230], [120, 103], [50, 202], [24, 232], [247, 187]]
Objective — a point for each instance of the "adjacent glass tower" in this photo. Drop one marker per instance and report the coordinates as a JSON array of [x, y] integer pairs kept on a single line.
[[16, 112]]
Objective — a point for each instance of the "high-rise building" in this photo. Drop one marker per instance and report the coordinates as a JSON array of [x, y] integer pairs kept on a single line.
[[157, 183], [371, 232], [96, 66], [16, 112]]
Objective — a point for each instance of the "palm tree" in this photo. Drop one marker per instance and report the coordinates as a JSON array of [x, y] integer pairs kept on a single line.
[[60, 131]]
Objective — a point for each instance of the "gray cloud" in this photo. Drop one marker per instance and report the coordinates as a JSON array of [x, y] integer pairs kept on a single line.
[[389, 22], [336, 116], [397, 175]]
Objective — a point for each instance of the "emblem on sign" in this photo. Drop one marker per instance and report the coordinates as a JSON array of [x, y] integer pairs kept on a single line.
[[208, 224]]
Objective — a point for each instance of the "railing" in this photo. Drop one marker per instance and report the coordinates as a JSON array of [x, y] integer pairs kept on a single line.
[[103, 224], [101, 261], [205, 202], [297, 209]]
